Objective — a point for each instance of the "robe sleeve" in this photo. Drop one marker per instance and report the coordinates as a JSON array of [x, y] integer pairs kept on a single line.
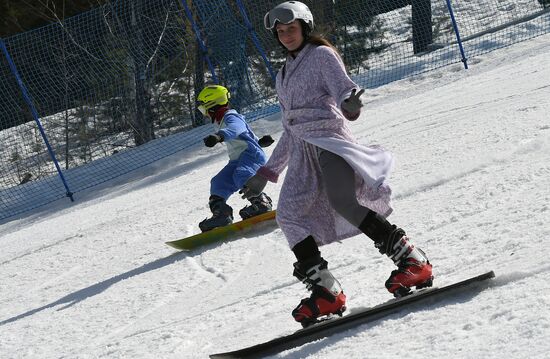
[[334, 76], [278, 160]]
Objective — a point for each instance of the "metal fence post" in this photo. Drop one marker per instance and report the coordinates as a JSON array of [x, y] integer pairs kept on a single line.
[[28, 100], [255, 40], [197, 32], [457, 33]]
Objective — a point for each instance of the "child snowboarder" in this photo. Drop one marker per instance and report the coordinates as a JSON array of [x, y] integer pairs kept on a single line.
[[245, 157]]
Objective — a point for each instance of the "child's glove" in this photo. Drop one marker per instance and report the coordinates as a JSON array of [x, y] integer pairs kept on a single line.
[[352, 105], [266, 141], [211, 140], [253, 187]]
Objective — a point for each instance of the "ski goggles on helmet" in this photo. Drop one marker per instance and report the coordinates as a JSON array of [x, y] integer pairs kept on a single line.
[[202, 108], [279, 15]]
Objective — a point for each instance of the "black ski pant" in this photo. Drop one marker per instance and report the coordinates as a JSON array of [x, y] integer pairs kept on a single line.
[[339, 180]]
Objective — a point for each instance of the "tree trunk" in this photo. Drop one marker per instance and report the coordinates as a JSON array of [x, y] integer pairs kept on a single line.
[[144, 118], [199, 82], [421, 25]]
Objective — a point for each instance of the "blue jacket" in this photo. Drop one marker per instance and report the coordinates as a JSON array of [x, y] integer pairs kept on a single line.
[[238, 136]]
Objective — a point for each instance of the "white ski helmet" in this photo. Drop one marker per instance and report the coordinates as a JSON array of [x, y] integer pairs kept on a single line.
[[286, 13]]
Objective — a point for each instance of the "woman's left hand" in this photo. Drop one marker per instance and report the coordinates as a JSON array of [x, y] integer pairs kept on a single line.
[[253, 187], [353, 104]]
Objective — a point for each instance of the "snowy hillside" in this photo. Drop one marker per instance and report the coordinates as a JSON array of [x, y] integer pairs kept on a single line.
[[94, 279]]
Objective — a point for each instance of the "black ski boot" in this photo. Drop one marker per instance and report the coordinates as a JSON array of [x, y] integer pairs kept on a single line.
[[258, 205], [222, 214]]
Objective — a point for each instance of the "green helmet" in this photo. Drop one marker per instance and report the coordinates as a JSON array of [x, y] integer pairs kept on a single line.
[[211, 96]]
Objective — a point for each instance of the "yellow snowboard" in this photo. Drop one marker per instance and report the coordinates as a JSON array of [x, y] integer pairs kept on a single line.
[[220, 233]]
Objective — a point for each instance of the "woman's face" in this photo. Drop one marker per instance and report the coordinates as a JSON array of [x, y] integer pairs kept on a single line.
[[290, 35]]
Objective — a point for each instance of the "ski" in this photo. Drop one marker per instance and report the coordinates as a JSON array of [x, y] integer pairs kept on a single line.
[[328, 327], [221, 233]]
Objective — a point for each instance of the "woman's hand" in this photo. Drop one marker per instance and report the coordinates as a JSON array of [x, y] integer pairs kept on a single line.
[[351, 107], [253, 187]]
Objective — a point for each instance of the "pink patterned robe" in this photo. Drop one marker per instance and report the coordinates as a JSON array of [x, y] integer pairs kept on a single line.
[[314, 85]]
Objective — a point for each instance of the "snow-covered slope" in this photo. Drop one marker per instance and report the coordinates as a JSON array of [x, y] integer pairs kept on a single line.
[[94, 279]]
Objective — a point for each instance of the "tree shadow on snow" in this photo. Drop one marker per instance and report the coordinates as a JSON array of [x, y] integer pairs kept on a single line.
[[85, 293]]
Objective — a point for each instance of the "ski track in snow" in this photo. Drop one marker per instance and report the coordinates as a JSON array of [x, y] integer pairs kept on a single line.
[[38, 250], [522, 150]]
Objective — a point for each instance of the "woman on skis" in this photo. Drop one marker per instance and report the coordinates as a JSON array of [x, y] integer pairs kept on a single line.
[[334, 187]]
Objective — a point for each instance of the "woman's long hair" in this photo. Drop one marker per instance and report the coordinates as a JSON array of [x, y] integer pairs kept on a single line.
[[319, 40]]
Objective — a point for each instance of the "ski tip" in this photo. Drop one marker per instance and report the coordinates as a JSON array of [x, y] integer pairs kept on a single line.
[[487, 275]]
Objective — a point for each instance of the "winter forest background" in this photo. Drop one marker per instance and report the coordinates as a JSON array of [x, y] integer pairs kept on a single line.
[[113, 88]]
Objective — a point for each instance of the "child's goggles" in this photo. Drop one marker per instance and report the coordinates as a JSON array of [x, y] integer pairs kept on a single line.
[[205, 106], [202, 109]]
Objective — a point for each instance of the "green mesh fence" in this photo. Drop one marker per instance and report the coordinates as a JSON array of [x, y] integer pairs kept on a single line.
[[114, 88]]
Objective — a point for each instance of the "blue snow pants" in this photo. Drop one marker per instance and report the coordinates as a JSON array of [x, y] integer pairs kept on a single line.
[[235, 174]]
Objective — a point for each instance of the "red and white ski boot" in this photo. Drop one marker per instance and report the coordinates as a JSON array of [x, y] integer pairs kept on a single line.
[[327, 297], [413, 268]]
